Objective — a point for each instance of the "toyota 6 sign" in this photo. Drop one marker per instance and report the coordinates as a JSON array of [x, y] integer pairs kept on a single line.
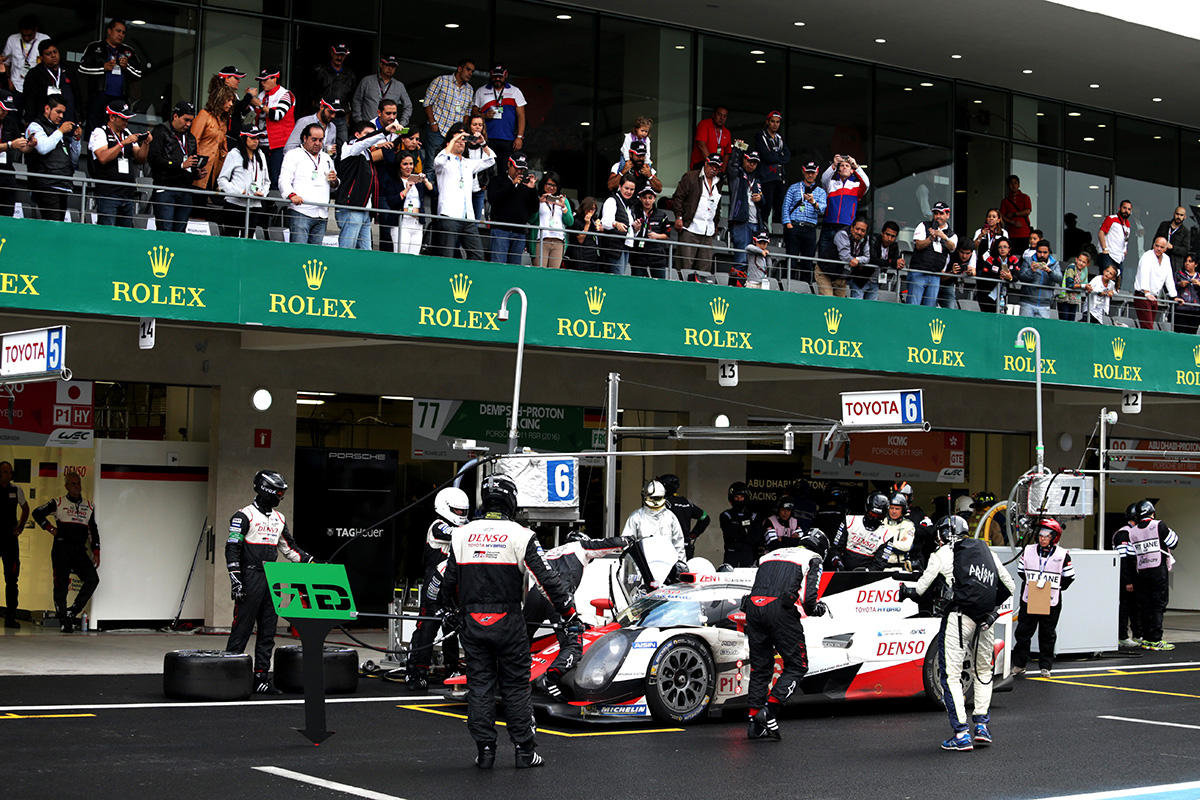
[[897, 407], [35, 352]]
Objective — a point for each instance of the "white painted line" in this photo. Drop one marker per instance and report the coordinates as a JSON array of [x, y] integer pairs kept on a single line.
[[334, 785], [220, 703], [1130, 667], [1138, 792], [1152, 722]]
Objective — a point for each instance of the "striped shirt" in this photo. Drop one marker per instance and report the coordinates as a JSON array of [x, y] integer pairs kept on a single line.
[[449, 102]]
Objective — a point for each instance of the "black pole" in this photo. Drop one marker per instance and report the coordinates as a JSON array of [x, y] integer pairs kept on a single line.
[[312, 640]]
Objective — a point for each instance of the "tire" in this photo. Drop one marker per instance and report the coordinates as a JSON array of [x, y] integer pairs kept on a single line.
[[933, 686], [206, 675], [341, 669], [680, 680]]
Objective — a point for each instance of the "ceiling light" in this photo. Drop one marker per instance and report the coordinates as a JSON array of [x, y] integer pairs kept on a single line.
[[956, 55], [908, 88], [308, 401], [977, 102], [680, 47], [1101, 125], [756, 52], [759, 61], [926, 84], [395, 397], [1026, 72], [838, 75], [1040, 114], [1156, 99], [261, 399], [584, 124], [137, 22], [316, 394], [798, 24], [808, 86], [1097, 216], [1093, 86], [881, 41], [1157, 138], [451, 25], [1074, 114], [1089, 138], [891, 208], [1096, 188], [563, 16]]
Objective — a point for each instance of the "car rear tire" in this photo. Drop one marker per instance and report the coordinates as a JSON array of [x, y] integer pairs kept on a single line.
[[206, 675], [341, 669], [933, 686], [680, 680]]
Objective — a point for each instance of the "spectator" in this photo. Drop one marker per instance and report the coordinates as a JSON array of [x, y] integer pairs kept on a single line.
[[210, 129], [1074, 238], [305, 178], [853, 247], [21, 52], [174, 165], [1177, 236], [712, 139], [758, 266], [1042, 271], [1074, 278], [1015, 209], [698, 212], [583, 245], [884, 252], [774, 155], [1030, 252], [991, 230], [243, 179], [634, 163], [503, 106], [51, 78], [514, 198], [1100, 291], [327, 112], [55, 152], [336, 81], [845, 189], [114, 150], [410, 142], [12, 143], [358, 185], [639, 132], [803, 206], [382, 86], [447, 101], [244, 109], [617, 217], [277, 115], [933, 243], [552, 217], [1114, 238], [477, 141], [415, 187], [745, 199], [997, 270], [961, 264], [1187, 283], [653, 226], [455, 174], [1153, 275], [390, 185], [109, 65]]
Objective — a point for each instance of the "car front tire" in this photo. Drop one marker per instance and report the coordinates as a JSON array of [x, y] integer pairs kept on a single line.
[[680, 680]]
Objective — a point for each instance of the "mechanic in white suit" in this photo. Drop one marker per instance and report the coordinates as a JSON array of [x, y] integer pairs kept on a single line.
[[654, 519]]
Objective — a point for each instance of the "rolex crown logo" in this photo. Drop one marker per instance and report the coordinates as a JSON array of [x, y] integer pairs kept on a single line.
[[160, 260], [460, 287], [1118, 347], [595, 299], [833, 319], [1195, 350], [2, 241], [720, 307], [314, 273], [936, 329], [1030, 341]]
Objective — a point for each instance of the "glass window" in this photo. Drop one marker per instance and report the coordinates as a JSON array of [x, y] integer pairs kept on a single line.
[[1190, 181], [1037, 121], [361, 14], [828, 108], [1090, 131], [744, 77], [165, 38], [276, 7], [1088, 198], [248, 43], [71, 23], [906, 180], [311, 49], [1041, 175], [1148, 174], [912, 107], [980, 168], [628, 53], [981, 110]]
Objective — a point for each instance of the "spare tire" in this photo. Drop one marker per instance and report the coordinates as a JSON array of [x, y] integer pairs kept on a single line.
[[206, 675], [341, 669]]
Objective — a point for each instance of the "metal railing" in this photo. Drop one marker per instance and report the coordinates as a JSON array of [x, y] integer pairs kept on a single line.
[[79, 198]]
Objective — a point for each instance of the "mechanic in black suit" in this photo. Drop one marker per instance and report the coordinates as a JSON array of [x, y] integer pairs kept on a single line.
[[687, 512]]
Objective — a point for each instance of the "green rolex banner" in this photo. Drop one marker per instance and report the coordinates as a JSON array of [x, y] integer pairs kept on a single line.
[[310, 591]]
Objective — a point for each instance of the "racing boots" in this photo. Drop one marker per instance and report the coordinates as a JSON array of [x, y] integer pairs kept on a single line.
[[1159, 645], [981, 735], [417, 681], [959, 741], [486, 757], [763, 725], [263, 685], [66, 621], [528, 757]]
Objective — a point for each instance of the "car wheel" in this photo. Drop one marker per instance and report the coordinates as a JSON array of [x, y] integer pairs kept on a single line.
[[933, 686], [680, 680]]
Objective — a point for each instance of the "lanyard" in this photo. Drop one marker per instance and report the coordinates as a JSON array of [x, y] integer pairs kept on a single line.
[[56, 78], [383, 87], [183, 143], [316, 161], [720, 137], [25, 54], [116, 138], [498, 95]]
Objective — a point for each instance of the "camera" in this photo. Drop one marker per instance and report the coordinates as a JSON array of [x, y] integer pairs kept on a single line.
[[141, 137], [475, 140]]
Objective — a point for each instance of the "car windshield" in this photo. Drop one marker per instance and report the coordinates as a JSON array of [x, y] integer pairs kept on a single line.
[[654, 611]]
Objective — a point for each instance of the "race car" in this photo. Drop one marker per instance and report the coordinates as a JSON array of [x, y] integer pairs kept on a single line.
[[677, 654]]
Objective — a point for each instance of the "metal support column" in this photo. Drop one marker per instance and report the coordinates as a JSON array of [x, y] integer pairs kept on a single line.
[[610, 462]]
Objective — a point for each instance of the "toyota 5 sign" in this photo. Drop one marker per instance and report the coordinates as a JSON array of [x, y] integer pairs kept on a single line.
[[33, 352], [897, 407]]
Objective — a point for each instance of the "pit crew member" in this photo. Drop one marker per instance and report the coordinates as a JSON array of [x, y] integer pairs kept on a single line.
[[655, 519], [450, 508], [1129, 622], [863, 542], [74, 523], [693, 519], [1043, 561], [1152, 542], [782, 529], [739, 529]]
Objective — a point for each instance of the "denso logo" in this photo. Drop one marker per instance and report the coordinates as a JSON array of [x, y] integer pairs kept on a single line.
[[878, 596], [909, 648], [483, 538]]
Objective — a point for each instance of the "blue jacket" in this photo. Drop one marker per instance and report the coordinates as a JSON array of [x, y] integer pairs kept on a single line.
[[796, 210], [1027, 275], [741, 184]]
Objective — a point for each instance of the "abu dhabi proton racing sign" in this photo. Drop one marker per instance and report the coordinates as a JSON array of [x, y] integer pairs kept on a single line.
[[436, 424]]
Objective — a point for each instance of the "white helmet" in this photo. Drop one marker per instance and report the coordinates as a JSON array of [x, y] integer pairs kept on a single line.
[[654, 495], [963, 505], [452, 505]]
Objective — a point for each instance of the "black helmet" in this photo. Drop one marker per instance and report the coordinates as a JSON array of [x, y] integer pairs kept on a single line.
[[1131, 512], [816, 540], [498, 493], [899, 499], [577, 536], [269, 487], [1143, 510], [950, 529], [736, 488], [670, 483], [787, 502], [984, 499], [877, 505]]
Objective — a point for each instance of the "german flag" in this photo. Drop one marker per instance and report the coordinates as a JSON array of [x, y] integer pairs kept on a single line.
[[47, 469], [593, 418]]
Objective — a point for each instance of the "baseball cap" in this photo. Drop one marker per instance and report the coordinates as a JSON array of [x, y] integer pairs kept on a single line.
[[390, 60], [183, 107], [335, 104], [254, 132], [811, 166], [637, 149], [498, 71], [647, 189], [751, 154], [119, 108], [762, 236], [231, 72], [715, 160], [268, 72], [7, 102], [774, 114], [518, 160], [341, 48], [939, 206]]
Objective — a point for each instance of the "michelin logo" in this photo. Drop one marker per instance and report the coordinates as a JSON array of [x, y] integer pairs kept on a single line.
[[635, 710]]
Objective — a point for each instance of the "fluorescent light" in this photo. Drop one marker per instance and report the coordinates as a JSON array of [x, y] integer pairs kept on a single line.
[[1074, 114], [1089, 138], [881, 41], [1093, 86], [759, 61], [317, 394], [798, 24], [585, 124], [908, 88], [137, 22], [891, 208], [1097, 216], [1026, 72], [1101, 125], [563, 16], [927, 84], [1096, 188], [1157, 137], [808, 86], [956, 55], [1155, 99], [977, 102], [756, 52], [451, 25], [395, 397], [838, 75], [1040, 114], [680, 47], [308, 401]]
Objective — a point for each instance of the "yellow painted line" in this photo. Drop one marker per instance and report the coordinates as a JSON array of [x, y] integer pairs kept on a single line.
[[1117, 688], [43, 716], [432, 708], [1133, 673]]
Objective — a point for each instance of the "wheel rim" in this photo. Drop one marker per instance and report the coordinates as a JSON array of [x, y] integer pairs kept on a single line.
[[683, 680]]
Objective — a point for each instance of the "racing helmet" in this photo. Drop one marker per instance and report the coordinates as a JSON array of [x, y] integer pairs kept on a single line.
[[815, 540], [498, 493], [670, 482], [963, 505], [903, 488], [577, 536], [984, 499], [787, 502], [877, 505], [654, 496], [950, 529], [899, 498], [1131, 512], [1144, 510], [269, 487], [738, 488], [452, 505], [1052, 525]]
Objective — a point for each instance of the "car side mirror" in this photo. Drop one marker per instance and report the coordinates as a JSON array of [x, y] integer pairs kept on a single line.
[[602, 604], [738, 618]]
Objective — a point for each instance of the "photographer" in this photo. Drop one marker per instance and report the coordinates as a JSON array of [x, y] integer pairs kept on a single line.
[[455, 176], [514, 199], [358, 183], [410, 201], [845, 183], [174, 165], [933, 242], [552, 212], [884, 250], [55, 153], [114, 150], [745, 199], [960, 265]]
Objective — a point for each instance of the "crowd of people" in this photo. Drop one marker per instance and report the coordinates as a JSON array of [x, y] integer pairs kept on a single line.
[[463, 185]]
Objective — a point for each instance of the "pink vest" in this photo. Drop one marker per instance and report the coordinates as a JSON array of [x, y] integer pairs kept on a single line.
[[1147, 545], [1050, 567]]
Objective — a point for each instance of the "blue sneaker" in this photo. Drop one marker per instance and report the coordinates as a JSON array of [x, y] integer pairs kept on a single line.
[[959, 741], [983, 736]]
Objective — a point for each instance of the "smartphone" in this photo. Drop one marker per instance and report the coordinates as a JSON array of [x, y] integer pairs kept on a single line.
[[201, 161]]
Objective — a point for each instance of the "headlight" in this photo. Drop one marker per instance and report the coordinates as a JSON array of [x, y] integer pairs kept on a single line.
[[602, 660]]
